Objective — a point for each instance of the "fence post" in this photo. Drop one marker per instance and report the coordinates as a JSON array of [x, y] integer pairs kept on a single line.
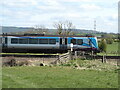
[[70, 55], [76, 54], [103, 59], [58, 59]]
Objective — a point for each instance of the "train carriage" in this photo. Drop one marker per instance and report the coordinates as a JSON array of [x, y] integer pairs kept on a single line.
[[48, 43]]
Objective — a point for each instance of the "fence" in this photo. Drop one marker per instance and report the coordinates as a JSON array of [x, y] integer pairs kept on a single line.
[[64, 58], [59, 58]]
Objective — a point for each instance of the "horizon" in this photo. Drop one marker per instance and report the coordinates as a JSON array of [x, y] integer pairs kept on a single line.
[[81, 13], [56, 29]]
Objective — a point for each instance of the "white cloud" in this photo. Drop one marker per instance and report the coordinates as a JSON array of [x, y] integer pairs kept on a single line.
[[91, 7], [80, 12], [115, 16], [19, 3]]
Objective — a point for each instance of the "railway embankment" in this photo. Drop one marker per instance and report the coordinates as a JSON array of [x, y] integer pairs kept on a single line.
[[79, 62]]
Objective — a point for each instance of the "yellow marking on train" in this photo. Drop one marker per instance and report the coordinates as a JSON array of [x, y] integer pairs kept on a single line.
[[28, 54]]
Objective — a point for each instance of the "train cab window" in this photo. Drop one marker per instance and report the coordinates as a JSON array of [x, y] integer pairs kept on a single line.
[[79, 41], [43, 41], [73, 41], [23, 41], [33, 41], [52, 41], [14, 40]]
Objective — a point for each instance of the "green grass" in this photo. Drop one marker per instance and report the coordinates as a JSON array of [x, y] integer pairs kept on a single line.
[[57, 77], [112, 49]]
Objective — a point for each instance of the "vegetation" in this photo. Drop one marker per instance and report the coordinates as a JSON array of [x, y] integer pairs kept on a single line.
[[103, 45], [57, 77], [109, 40], [64, 28], [112, 49]]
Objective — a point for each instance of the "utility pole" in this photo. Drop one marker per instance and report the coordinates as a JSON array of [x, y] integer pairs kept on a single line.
[[94, 25]]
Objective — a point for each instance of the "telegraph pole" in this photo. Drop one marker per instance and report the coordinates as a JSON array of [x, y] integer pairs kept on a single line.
[[94, 25]]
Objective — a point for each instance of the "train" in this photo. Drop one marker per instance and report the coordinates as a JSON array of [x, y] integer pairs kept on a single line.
[[40, 43]]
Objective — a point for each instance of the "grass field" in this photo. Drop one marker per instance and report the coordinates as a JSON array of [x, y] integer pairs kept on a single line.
[[112, 49], [57, 77]]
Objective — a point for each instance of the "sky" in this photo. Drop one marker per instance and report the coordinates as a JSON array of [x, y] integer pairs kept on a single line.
[[82, 13]]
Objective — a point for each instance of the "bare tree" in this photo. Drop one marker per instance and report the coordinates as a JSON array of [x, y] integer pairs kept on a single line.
[[59, 27], [64, 28], [40, 29]]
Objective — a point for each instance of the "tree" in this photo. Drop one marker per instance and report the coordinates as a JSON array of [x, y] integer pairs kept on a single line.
[[103, 45], [64, 28], [59, 26], [109, 38], [40, 29]]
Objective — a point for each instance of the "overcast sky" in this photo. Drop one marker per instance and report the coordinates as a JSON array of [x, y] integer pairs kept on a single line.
[[81, 13]]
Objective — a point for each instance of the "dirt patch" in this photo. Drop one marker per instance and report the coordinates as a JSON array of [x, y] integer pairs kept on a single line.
[[31, 61]]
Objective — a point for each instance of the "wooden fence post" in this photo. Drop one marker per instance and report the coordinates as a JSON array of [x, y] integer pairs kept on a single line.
[[58, 59], [70, 55], [76, 54], [103, 59]]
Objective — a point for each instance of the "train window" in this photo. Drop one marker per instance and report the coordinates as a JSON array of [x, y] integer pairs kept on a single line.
[[43, 41], [52, 41], [33, 41], [23, 41], [79, 41], [14, 40], [73, 41]]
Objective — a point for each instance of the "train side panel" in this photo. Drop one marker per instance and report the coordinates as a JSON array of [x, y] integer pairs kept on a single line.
[[33, 46]]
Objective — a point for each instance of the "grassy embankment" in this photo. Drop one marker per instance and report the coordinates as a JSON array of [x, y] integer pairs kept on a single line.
[[58, 77]]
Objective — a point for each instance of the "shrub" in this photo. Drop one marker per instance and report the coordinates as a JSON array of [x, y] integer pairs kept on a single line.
[[9, 62], [109, 41], [103, 45]]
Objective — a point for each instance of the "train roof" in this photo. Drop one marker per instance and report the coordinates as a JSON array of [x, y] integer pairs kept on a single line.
[[43, 35]]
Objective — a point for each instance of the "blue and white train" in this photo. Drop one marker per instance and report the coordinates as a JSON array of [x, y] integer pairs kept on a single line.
[[48, 43]]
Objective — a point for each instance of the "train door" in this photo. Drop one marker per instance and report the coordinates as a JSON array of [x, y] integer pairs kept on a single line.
[[63, 43], [4, 42]]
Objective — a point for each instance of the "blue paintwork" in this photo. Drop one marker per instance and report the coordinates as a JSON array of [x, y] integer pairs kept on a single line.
[[93, 41]]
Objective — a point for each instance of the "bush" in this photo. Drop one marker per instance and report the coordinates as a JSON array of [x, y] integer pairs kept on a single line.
[[9, 62], [116, 40], [109, 41], [103, 45]]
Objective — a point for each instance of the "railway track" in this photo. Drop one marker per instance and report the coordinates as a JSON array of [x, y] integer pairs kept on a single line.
[[107, 57], [30, 55], [53, 55]]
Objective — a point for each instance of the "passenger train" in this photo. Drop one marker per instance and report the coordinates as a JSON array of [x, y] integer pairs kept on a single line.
[[47, 43]]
